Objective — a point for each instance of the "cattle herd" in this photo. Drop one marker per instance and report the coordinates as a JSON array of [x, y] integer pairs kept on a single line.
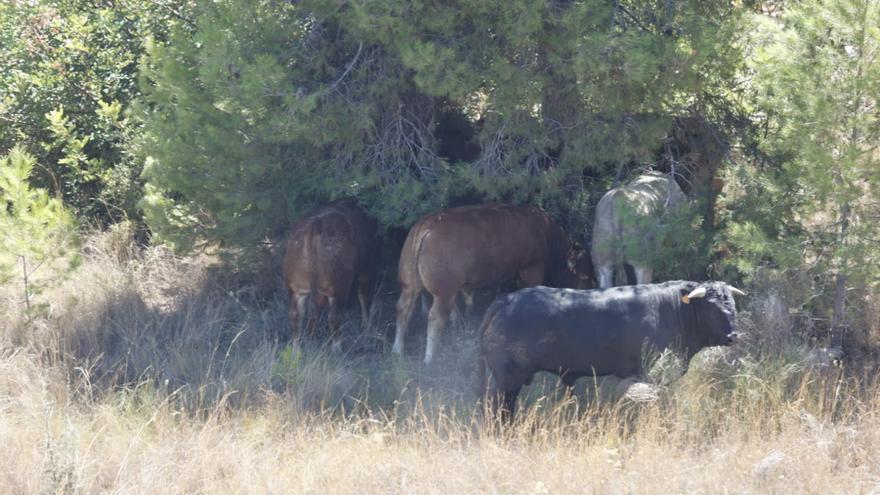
[[569, 327]]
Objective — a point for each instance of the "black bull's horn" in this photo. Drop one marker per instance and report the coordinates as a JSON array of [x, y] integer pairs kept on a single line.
[[701, 292], [736, 291]]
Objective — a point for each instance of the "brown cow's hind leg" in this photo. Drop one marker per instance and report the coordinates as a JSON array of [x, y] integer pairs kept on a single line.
[[333, 323], [318, 303], [364, 300], [405, 306], [293, 316], [297, 314], [437, 319], [425, 302], [365, 307]]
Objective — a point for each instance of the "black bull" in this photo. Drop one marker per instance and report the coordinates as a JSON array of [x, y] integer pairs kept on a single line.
[[576, 333]]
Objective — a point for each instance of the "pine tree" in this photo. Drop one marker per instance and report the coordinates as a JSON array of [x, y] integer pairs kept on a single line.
[[817, 81], [266, 108], [37, 228]]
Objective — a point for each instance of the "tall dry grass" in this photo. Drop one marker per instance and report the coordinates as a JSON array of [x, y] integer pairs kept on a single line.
[[146, 372]]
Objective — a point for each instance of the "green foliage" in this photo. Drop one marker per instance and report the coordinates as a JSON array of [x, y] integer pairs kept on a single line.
[[37, 228], [69, 74], [810, 199], [679, 250], [265, 108]]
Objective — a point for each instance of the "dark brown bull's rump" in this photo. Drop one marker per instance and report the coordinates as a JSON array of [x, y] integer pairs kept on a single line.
[[597, 332], [329, 251], [474, 247]]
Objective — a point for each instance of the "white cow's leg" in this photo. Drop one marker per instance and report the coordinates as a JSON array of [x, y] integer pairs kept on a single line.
[[643, 274], [606, 276]]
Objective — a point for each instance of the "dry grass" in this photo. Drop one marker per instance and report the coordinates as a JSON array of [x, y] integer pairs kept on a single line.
[[146, 374]]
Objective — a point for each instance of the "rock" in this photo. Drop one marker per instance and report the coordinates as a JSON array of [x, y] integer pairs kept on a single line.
[[825, 357], [770, 464], [638, 391]]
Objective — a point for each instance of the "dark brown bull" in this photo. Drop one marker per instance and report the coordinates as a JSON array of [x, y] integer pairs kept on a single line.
[[474, 247], [329, 251]]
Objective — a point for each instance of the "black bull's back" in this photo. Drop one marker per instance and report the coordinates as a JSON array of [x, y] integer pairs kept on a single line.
[[577, 333]]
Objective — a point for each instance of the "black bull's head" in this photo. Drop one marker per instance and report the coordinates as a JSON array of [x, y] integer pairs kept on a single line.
[[715, 312]]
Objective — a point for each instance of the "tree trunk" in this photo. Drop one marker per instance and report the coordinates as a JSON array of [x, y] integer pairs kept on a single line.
[[27, 289], [838, 317], [700, 147], [560, 105]]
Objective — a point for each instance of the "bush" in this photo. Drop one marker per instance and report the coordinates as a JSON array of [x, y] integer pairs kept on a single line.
[[70, 72]]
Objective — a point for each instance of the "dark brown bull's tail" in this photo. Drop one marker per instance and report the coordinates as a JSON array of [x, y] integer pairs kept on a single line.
[[482, 365]]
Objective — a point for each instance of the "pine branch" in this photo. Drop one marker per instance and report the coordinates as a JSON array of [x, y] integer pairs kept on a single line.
[[348, 68]]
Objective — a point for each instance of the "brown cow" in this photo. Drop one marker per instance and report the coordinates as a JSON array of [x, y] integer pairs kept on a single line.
[[473, 247], [328, 251]]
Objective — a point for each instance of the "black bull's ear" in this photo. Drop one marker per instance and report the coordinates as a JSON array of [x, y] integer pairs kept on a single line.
[[684, 296]]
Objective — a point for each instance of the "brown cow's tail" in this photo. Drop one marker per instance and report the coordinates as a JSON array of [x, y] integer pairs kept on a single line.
[[417, 253], [408, 267]]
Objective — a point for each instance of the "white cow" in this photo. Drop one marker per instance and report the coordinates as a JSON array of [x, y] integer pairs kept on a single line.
[[625, 227]]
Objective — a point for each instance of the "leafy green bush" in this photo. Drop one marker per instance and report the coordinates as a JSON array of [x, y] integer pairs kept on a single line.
[[70, 70]]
